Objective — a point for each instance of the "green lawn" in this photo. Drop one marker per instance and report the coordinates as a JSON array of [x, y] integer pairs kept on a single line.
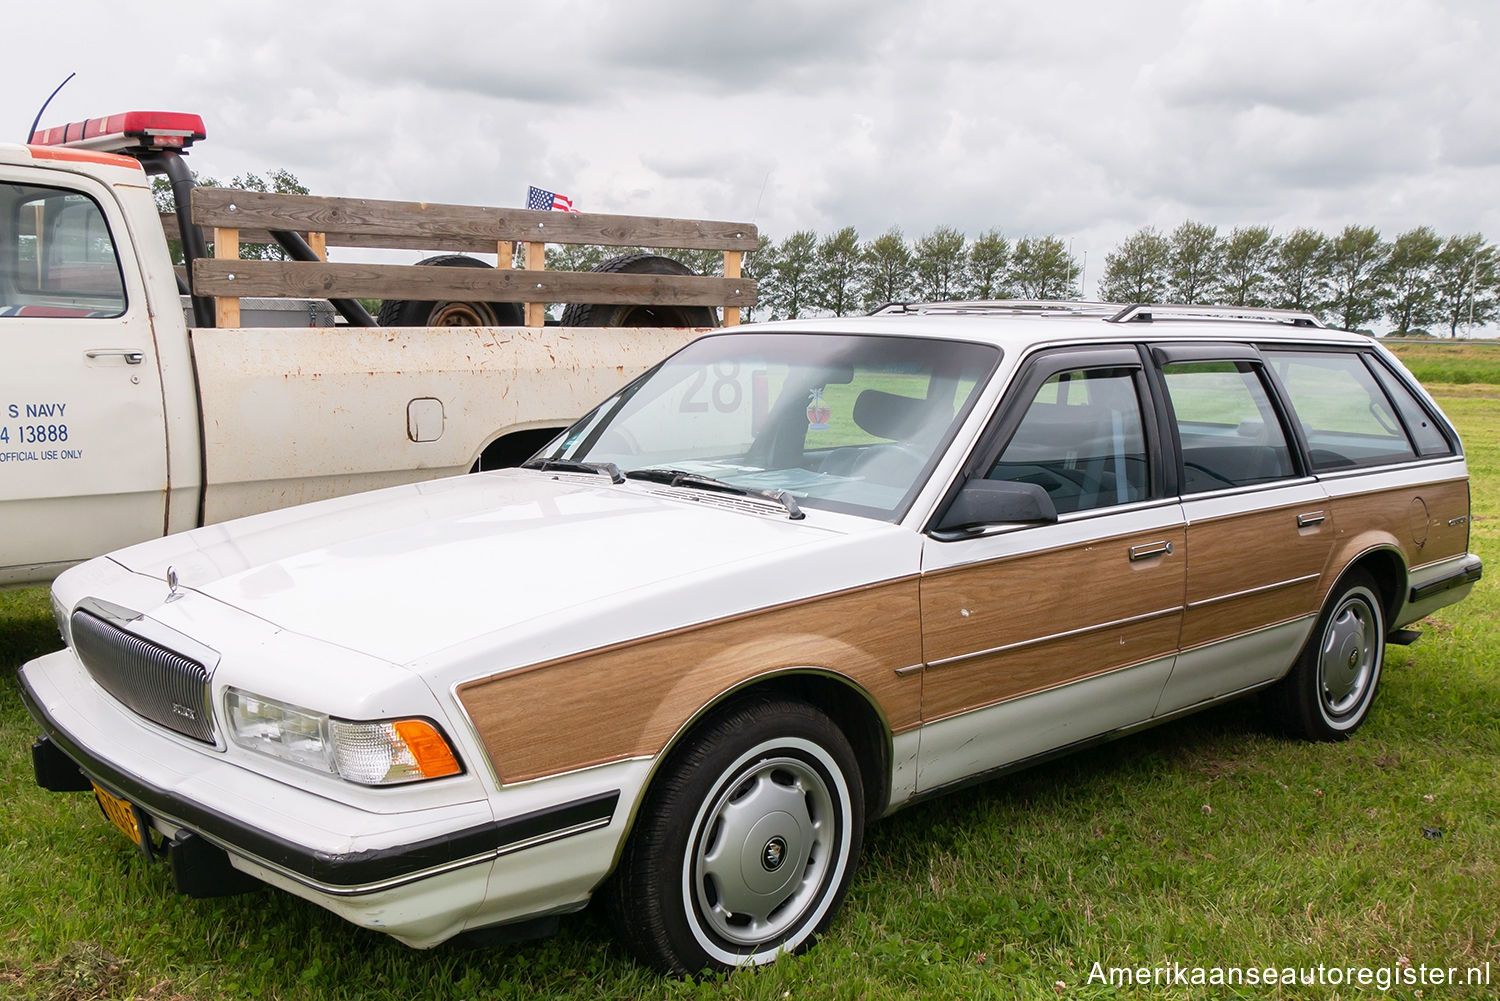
[[1208, 843]]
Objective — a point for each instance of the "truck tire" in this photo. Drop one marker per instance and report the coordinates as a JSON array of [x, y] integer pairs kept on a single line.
[[413, 313], [624, 315]]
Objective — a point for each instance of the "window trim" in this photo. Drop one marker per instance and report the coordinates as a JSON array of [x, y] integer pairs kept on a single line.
[[1236, 354], [117, 246], [1033, 371]]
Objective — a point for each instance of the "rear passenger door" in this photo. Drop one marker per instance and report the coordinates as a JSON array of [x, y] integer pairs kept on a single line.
[[1259, 528], [1042, 635]]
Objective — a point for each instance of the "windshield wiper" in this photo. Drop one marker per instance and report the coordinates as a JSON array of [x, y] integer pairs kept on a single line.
[[574, 466], [683, 478]]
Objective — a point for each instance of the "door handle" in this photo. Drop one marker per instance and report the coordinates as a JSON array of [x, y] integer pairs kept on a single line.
[[1149, 549], [1310, 519], [131, 356]]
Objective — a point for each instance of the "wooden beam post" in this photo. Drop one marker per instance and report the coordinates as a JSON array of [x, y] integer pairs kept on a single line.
[[226, 247], [732, 262], [536, 260], [319, 244]]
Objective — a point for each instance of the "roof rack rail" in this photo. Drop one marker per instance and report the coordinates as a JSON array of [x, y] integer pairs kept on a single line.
[[1037, 307], [1151, 312]]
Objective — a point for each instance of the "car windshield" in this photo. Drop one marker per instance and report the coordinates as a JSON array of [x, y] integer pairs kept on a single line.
[[841, 422]]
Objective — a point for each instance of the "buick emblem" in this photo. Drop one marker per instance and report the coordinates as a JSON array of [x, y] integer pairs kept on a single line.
[[773, 854]]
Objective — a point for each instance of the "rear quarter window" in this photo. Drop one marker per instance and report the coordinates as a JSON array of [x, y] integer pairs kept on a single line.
[[1346, 417]]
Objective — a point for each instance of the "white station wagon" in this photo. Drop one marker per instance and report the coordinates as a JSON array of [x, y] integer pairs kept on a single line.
[[793, 578]]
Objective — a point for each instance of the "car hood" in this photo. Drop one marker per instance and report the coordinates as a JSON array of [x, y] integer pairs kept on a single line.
[[403, 572]]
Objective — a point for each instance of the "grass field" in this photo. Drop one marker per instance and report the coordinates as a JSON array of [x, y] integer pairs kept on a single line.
[[1451, 362], [1209, 843]]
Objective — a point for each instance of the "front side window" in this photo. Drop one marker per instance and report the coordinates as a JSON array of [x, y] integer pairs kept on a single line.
[[1081, 440], [1346, 418], [843, 422], [57, 258], [1226, 426]]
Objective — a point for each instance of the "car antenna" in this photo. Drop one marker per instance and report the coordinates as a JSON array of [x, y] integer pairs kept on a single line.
[[43, 109]]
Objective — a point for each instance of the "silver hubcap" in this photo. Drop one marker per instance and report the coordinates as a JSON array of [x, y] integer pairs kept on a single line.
[[763, 850], [1346, 661]]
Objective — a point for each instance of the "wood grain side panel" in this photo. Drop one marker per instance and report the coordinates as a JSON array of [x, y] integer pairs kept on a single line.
[[1260, 552], [629, 700], [950, 689], [1035, 599], [1415, 518]]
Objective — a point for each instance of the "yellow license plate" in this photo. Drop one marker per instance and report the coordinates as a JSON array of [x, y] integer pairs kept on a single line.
[[121, 814]]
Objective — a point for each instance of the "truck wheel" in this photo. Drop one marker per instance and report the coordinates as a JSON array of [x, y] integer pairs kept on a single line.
[[412, 313], [745, 844], [624, 315], [1328, 692]]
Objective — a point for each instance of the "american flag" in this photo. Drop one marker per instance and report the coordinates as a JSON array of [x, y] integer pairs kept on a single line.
[[544, 201]]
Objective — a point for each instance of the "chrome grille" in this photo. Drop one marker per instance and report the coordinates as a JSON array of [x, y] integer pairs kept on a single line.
[[159, 684]]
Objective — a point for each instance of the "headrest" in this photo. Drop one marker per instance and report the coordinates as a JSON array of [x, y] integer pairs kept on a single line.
[[886, 415]]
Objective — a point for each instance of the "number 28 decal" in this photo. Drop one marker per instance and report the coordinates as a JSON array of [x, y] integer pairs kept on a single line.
[[726, 393]]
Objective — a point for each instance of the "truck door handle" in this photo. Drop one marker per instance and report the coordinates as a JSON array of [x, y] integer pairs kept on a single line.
[[1149, 549], [131, 356], [1310, 519]]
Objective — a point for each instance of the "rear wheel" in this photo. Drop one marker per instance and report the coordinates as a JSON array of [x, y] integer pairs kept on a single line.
[[625, 315], [449, 313], [744, 848], [1328, 692]]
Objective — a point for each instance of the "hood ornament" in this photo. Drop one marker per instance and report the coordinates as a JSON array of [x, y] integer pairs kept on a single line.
[[173, 590]]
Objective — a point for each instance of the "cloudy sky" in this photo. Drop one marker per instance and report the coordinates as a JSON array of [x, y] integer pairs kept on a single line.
[[1085, 119]]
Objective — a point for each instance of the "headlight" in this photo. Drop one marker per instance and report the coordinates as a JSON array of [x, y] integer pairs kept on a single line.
[[382, 752]]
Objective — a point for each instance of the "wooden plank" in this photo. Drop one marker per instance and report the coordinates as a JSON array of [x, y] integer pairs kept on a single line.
[[227, 251], [169, 228], [733, 259], [429, 224], [404, 281], [536, 260], [319, 244]]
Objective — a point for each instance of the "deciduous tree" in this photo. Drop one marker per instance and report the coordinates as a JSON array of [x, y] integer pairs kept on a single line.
[[1299, 274], [1245, 275], [1136, 270], [836, 275], [989, 259], [1465, 282], [792, 275], [1355, 257], [1196, 257], [939, 259], [886, 269], [1042, 268]]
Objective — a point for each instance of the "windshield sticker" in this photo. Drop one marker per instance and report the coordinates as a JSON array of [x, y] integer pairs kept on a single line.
[[818, 411]]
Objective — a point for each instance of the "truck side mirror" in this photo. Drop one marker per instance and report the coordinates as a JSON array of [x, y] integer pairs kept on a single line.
[[992, 502]]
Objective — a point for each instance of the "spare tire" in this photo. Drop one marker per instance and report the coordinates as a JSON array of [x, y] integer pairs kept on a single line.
[[413, 313], [626, 315]]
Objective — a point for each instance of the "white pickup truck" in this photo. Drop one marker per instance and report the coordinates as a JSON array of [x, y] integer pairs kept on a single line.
[[119, 422]]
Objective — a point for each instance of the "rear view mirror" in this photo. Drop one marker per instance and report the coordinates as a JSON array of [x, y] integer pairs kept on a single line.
[[993, 502]]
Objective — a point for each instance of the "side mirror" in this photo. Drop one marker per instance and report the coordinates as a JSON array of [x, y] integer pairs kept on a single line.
[[992, 502]]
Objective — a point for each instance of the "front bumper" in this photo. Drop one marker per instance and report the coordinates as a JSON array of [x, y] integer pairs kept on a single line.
[[421, 875]]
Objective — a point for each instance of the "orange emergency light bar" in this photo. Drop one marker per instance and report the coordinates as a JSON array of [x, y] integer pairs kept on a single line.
[[129, 132]]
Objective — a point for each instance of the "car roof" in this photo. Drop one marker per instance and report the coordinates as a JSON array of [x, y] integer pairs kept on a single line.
[[1019, 324]]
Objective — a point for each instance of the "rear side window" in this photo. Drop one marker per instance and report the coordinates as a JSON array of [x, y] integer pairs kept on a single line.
[[57, 257], [1081, 440], [1420, 424], [1346, 417], [1226, 425]]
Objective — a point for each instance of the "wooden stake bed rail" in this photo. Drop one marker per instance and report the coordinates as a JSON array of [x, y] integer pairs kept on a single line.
[[236, 217]]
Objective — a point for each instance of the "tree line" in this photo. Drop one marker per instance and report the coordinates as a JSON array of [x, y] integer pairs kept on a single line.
[[1354, 278]]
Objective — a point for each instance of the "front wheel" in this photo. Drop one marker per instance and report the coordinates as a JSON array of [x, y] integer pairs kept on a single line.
[[744, 848], [1328, 692]]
